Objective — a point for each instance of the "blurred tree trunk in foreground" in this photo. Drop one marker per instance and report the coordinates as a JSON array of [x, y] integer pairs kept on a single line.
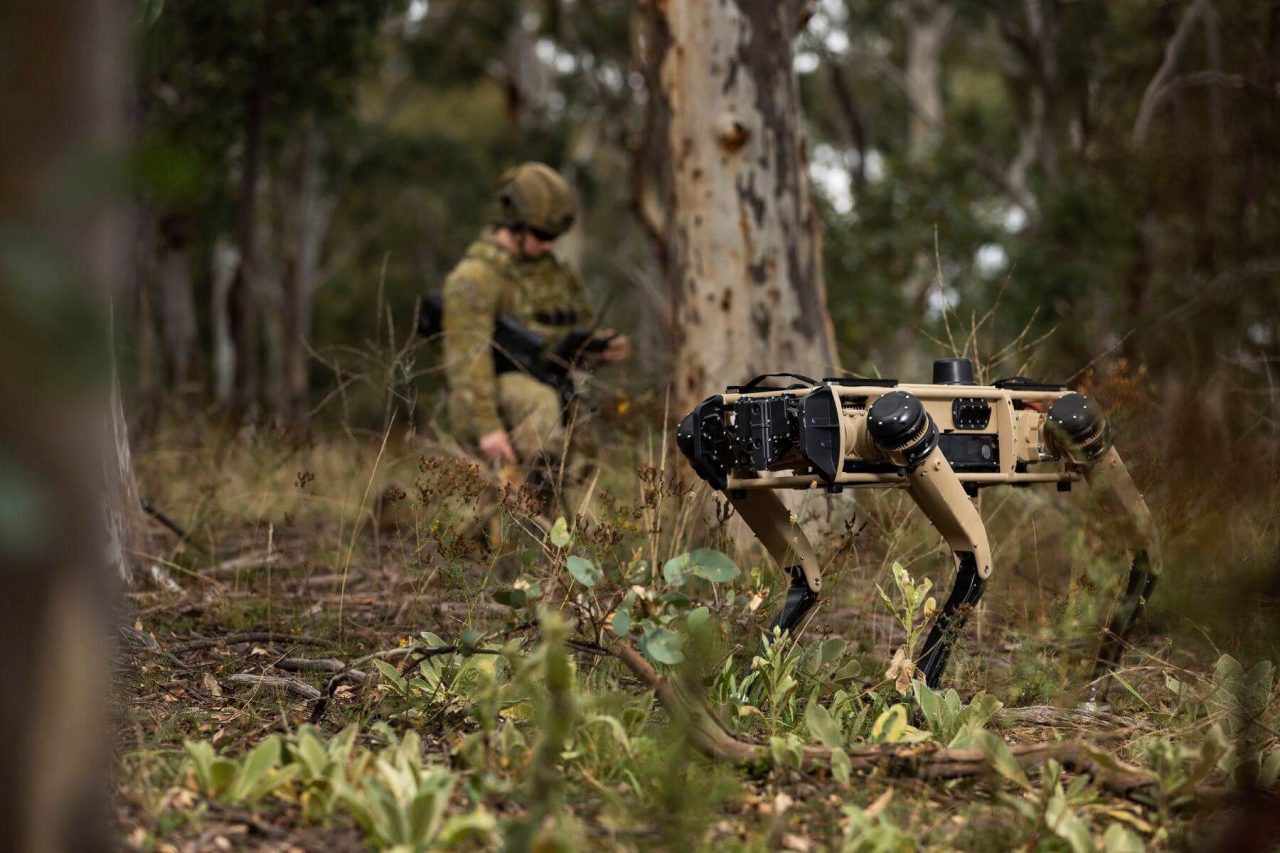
[[61, 248], [743, 235]]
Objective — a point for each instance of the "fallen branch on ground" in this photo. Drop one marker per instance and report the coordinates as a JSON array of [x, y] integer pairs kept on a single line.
[[306, 691], [319, 665], [249, 637], [1048, 715], [242, 563]]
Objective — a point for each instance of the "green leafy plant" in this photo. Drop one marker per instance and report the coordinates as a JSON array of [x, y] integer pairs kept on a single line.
[[913, 610], [1053, 807], [324, 767], [867, 832], [947, 717], [250, 779], [401, 802]]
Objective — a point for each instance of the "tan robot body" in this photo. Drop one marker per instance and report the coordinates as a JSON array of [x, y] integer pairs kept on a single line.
[[942, 442]]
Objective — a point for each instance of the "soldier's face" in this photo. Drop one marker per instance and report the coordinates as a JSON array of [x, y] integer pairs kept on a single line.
[[533, 247]]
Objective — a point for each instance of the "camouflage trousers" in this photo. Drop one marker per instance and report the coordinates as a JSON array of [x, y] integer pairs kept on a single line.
[[552, 448]]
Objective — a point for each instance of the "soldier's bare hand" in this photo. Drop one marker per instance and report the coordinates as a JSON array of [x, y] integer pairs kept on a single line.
[[496, 446], [618, 348]]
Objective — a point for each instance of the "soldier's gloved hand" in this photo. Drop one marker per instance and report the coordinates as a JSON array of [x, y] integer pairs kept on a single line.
[[496, 446], [618, 348]]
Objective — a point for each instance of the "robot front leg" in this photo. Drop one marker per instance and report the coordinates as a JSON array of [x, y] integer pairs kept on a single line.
[[903, 430], [938, 492], [1108, 472], [771, 521]]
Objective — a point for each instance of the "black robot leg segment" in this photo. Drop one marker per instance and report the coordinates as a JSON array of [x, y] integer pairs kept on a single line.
[[1141, 583], [800, 600], [965, 593], [771, 521]]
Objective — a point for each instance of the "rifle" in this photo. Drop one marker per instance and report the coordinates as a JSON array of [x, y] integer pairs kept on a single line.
[[942, 442], [518, 348]]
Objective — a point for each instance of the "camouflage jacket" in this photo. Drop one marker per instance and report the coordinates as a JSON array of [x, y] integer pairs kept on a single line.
[[544, 294]]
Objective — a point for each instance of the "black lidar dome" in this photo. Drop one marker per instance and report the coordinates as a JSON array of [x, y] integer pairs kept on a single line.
[[953, 371]]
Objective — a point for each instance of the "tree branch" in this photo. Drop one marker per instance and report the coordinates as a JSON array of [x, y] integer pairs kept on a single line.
[[1151, 97]]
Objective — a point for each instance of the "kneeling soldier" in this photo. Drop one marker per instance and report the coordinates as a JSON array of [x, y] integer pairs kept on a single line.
[[509, 415]]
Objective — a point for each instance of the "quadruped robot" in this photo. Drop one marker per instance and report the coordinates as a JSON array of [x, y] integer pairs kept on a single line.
[[942, 442]]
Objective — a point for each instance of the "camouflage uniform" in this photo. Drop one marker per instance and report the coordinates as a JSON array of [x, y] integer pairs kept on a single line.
[[543, 294]]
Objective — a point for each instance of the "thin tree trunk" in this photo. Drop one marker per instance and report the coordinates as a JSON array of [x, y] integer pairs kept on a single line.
[[313, 212], [226, 261], [242, 300], [745, 247], [177, 307]]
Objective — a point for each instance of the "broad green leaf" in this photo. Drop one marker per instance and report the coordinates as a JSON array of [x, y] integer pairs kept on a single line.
[[787, 751], [1000, 756], [678, 600], [201, 755], [311, 753], [713, 565], [257, 763], [841, 767], [1118, 839], [698, 618], [831, 651], [823, 726], [478, 825], [1064, 823], [615, 727], [392, 675], [982, 708], [622, 621], [930, 707], [663, 645], [275, 778], [511, 597], [560, 533], [890, 726], [676, 570], [584, 572], [469, 640], [426, 811]]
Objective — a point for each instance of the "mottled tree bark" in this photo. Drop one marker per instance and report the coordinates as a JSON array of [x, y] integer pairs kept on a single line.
[[743, 234], [127, 541]]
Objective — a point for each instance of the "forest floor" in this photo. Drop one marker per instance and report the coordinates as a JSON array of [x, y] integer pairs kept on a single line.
[[350, 659]]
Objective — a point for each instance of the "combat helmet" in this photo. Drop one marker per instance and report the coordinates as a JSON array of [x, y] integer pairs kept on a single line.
[[533, 197]]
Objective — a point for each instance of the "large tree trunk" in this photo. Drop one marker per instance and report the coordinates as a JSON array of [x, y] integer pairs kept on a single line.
[[744, 239], [63, 78]]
